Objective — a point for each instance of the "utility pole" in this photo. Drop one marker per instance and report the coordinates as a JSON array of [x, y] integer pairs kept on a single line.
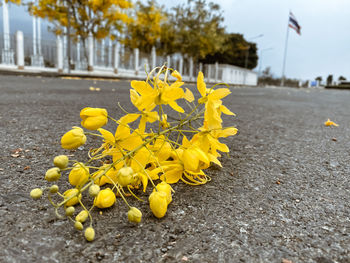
[[68, 36]]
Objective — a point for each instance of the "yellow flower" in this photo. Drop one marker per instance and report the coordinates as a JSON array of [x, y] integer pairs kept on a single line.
[[162, 94], [158, 203], [213, 105], [208, 141], [125, 176], [122, 137], [79, 175], [36, 193], [164, 122], [134, 215], [53, 174], [330, 123], [176, 75], [89, 234], [93, 118], [82, 216], [105, 198], [74, 194], [94, 190], [73, 138], [61, 161], [146, 116], [166, 188], [78, 225], [193, 158]]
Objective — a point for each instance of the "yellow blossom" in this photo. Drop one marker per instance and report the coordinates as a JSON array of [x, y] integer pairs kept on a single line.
[[134, 215], [125, 176], [61, 161], [166, 188], [53, 174], [82, 216], [89, 234], [93, 118], [330, 123], [36, 193], [73, 138], [162, 94], [177, 75], [79, 175], [73, 194], [105, 198], [212, 100], [158, 203]]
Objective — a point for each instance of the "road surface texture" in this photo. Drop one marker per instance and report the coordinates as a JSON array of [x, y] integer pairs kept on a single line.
[[283, 194]]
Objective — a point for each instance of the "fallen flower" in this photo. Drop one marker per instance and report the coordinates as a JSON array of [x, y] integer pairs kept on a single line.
[[330, 123]]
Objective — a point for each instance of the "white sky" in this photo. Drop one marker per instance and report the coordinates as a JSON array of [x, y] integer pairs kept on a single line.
[[323, 47]]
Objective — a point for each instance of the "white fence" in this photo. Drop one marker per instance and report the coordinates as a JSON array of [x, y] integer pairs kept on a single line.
[[107, 58]]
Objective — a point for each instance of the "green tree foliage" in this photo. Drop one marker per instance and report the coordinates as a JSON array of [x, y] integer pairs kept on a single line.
[[197, 29], [341, 78], [234, 51], [146, 29], [329, 80], [319, 78]]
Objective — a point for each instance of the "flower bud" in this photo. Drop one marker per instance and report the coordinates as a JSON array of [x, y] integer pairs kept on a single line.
[[82, 216], [105, 198], [36, 193], [94, 190], [125, 176], [158, 203], [78, 225], [53, 174], [73, 138], [74, 194], [93, 118], [134, 215], [70, 211], [61, 161], [89, 234], [54, 189], [166, 188], [79, 175]]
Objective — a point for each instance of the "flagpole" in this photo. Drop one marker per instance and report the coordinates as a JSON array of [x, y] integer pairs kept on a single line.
[[285, 54]]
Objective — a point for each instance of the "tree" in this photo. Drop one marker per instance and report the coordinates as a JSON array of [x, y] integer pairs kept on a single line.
[[319, 78], [234, 51], [267, 72], [101, 18], [145, 31], [341, 78], [198, 30], [168, 37], [329, 80]]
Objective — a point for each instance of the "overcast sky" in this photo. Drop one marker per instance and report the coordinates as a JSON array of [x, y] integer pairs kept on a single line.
[[323, 47]]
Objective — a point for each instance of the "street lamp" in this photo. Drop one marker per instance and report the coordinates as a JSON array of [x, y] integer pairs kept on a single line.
[[261, 53], [248, 48]]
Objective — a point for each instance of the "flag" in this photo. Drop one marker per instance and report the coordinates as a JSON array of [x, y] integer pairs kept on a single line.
[[293, 23]]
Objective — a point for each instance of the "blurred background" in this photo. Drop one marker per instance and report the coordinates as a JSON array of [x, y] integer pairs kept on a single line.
[[248, 34]]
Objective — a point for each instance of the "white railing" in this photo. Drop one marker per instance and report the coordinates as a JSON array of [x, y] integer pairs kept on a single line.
[[109, 59]]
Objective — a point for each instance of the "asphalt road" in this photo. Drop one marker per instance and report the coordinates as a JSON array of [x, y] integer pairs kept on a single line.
[[283, 193]]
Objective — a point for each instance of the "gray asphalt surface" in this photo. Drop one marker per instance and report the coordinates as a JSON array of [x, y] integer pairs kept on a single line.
[[283, 192]]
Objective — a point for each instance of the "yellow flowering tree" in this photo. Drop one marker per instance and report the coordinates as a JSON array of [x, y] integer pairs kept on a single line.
[[145, 30], [144, 151], [100, 18]]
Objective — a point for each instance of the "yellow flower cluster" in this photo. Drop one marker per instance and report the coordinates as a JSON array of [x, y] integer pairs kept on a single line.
[[144, 148]]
